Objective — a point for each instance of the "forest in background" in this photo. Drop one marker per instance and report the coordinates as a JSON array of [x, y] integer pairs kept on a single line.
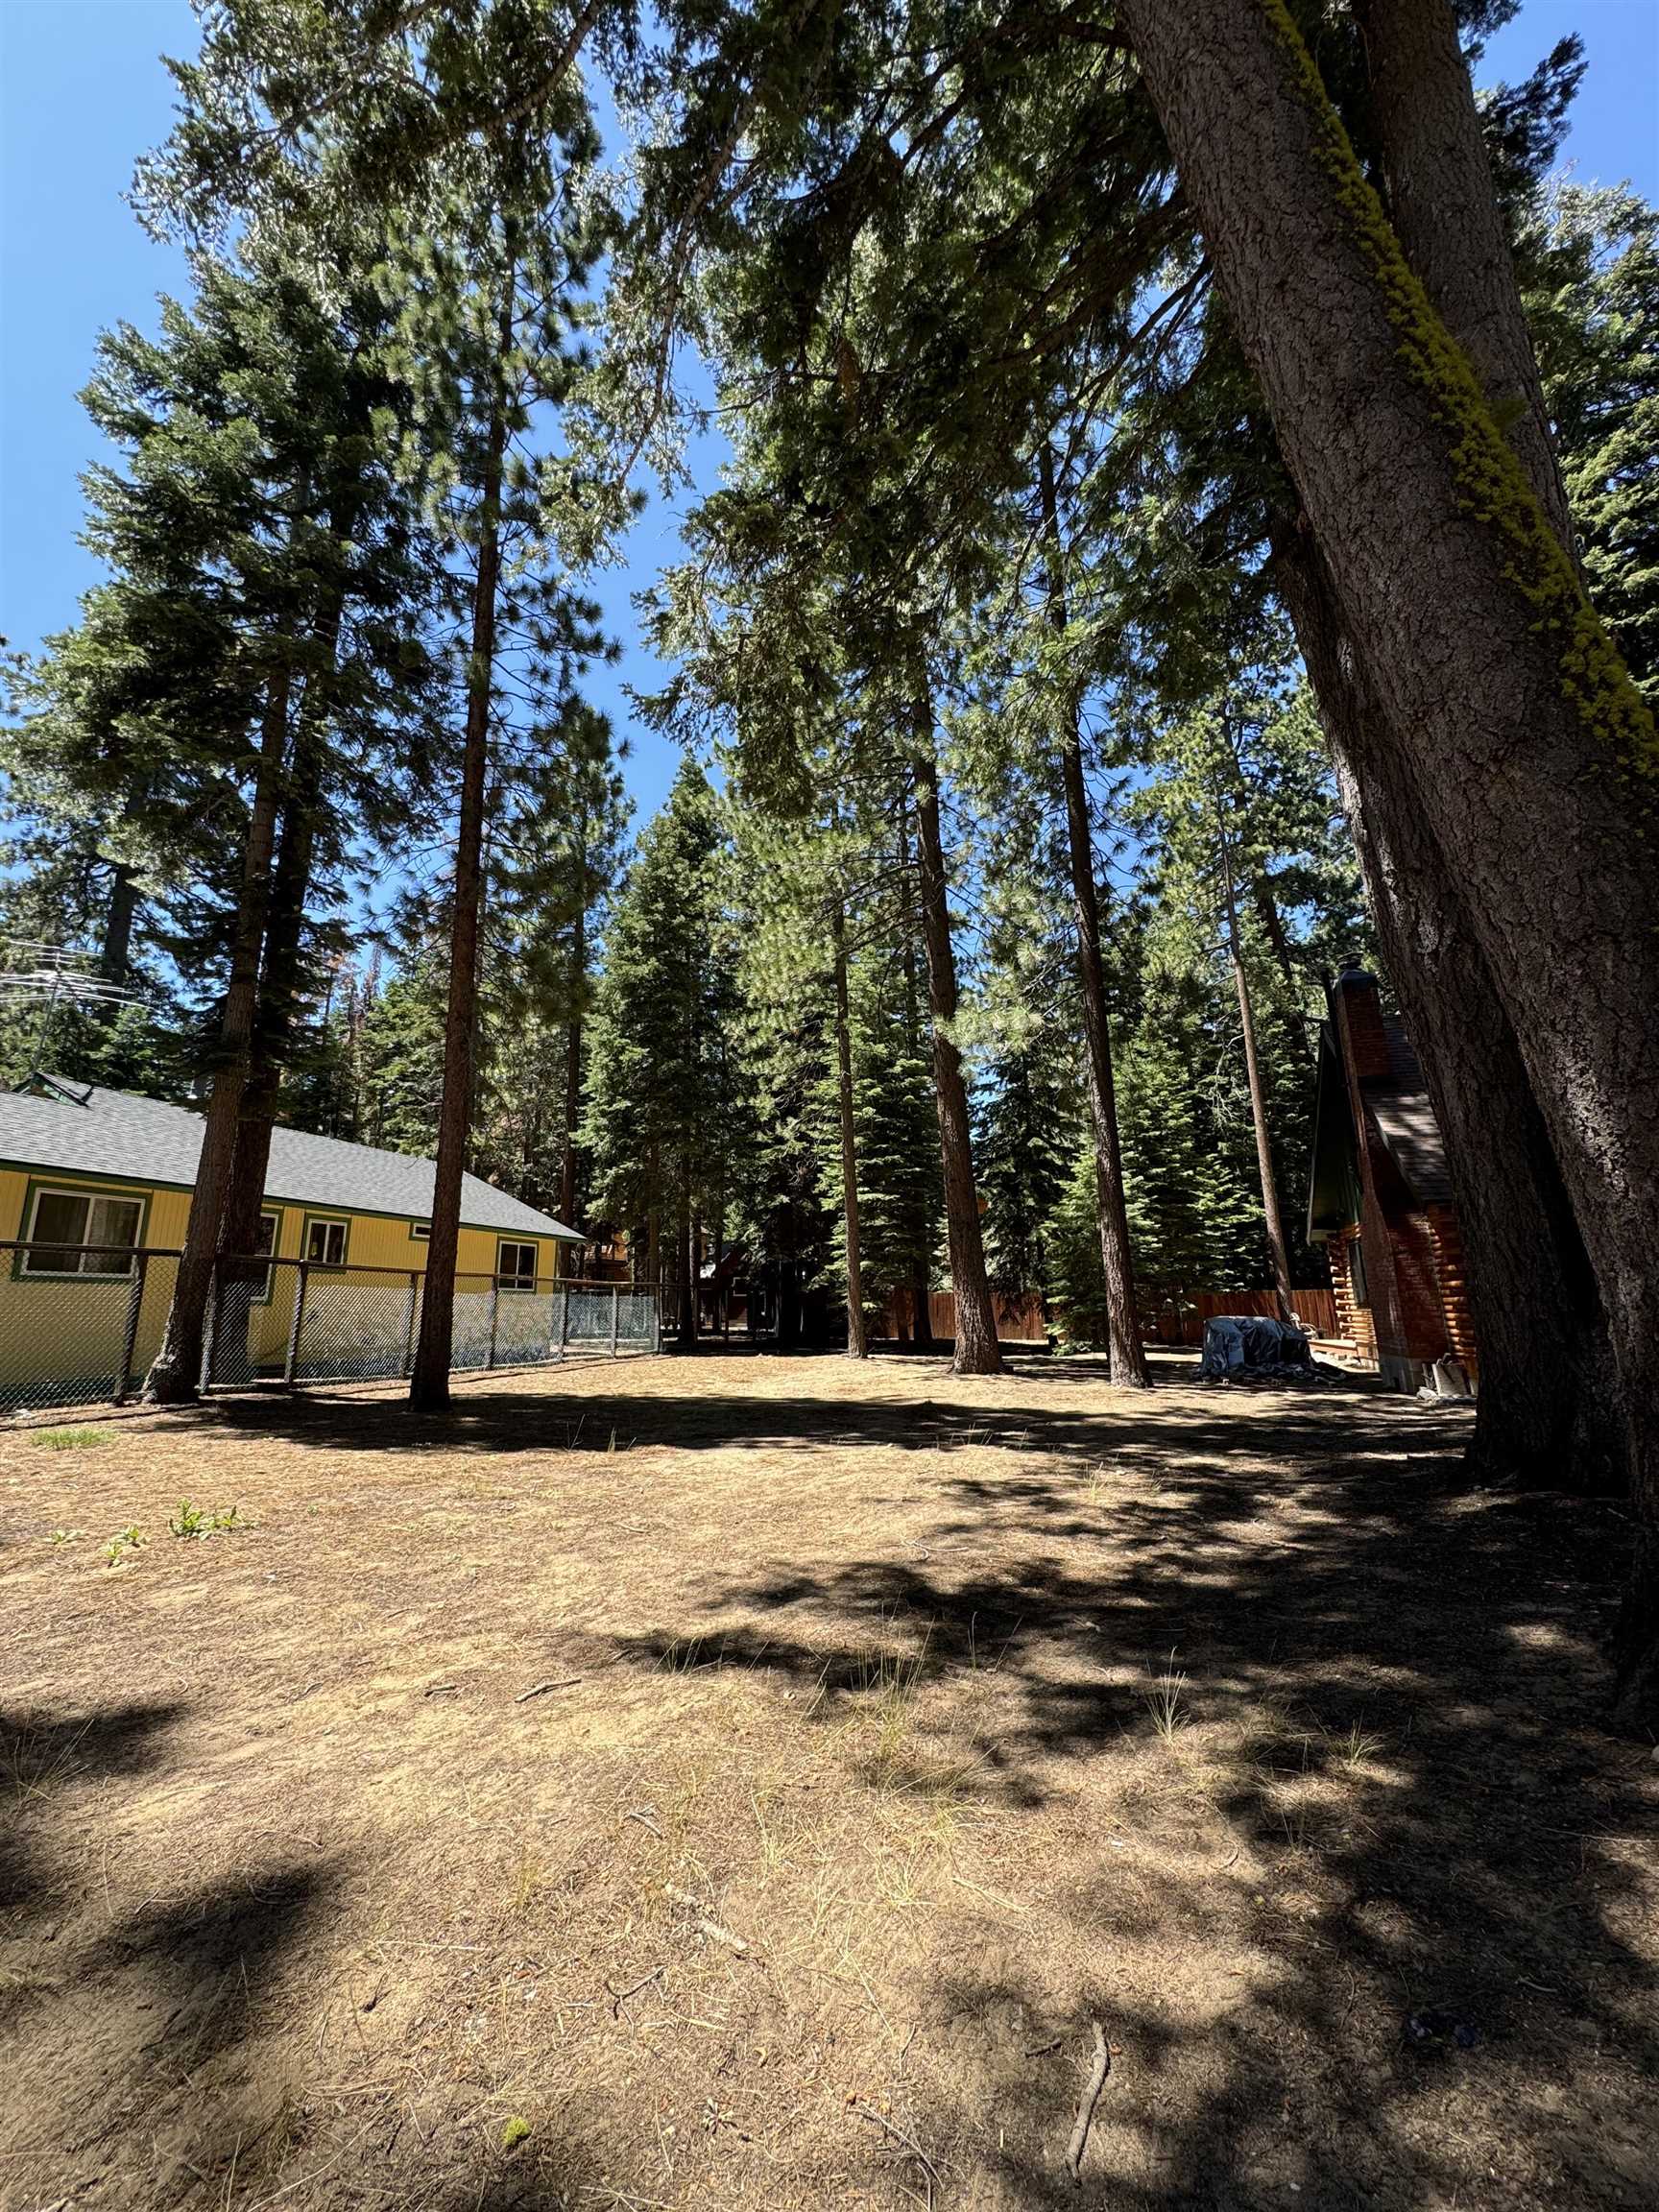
[[1048, 678]]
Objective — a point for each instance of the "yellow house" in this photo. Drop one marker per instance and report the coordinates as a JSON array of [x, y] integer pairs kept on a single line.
[[94, 1196]]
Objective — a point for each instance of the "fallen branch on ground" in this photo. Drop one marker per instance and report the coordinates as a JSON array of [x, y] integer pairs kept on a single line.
[[1087, 2102], [540, 1689], [913, 2149], [620, 1997]]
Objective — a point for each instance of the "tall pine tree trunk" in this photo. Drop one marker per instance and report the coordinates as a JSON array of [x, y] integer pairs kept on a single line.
[[686, 1329], [429, 1380], [978, 1350], [921, 1258], [1438, 186], [115, 948], [573, 1056], [1278, 1256], [1532, 754], [277, 1008], [1126, 1354], [174, 1376], [856, 1346], [1538, 1420]]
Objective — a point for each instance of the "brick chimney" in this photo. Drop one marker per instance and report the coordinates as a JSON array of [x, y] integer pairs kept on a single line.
[[1357, 1006]]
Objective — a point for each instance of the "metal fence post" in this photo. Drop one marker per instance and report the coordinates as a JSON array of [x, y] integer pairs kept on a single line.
[[130, 1337], [209, 1342], [564, 1319], [409, 1323], [615, 1309], [495, 1318], [293, 1354]]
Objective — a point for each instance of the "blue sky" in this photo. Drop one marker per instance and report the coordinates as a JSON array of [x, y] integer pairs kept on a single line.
[[82, 93]]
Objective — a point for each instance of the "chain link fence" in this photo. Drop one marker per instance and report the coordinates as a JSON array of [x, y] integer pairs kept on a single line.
[[80, 1323]]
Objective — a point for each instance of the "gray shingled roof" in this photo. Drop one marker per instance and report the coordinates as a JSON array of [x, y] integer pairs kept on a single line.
[[1405, 1119], [134, 1140]]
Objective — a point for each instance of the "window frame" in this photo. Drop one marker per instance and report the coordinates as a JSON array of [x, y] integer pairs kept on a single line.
[[340, 1221], [66, 1186], [421, 1231], [515, 1281], [273, 1215]]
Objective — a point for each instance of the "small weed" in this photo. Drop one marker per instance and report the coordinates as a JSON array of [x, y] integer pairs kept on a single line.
[[72, 1439], [200, 1523], [118, 1547], [1296, 1817], [527, 1874], [1356, 1748], [1164, 1701], [32, 1757], [516, 2131], [66, 1535]]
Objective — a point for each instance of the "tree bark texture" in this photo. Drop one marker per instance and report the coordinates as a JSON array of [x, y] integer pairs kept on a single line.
[[1438, 188], [115, 949], [1545, 1421], [174, 1373], [573, 1061], [1125, 1353], [856, 1346], [686, 1266], [429, 1380], [978, 1350], [1540, 1420], [1531, 755], [921, 1262]]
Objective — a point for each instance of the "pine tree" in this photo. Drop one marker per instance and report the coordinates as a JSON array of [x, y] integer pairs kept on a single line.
[[664, 1112], [555, 852]]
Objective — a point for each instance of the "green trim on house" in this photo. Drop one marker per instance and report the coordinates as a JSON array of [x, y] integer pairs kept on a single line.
[[270, 1214]]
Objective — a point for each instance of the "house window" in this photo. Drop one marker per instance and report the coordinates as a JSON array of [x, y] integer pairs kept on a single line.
[[107, 1226], [1356, 1284], [325, 1243], [421, 1230], [515, 1266]]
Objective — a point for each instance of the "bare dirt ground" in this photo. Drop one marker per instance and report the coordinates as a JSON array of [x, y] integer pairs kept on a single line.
[[890, 1730]]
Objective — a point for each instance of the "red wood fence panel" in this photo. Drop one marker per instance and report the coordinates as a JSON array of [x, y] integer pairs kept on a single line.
[[1167, 1316], [1018, 1316]]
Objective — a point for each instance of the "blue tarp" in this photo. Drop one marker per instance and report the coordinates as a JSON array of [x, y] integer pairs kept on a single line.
[[1237, 1344]]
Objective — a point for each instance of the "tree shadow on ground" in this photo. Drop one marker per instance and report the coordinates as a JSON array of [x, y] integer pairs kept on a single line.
[[503, 1419], [1387, 1702], [44, 1753], [1453, 1912], [156, 2001]]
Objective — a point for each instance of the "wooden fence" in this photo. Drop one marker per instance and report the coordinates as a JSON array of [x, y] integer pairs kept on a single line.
[[1018, 1316], [1177, 1316], [1167, 1316]]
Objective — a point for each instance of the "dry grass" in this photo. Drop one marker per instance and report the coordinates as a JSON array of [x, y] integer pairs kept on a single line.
[[899, 1727]]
